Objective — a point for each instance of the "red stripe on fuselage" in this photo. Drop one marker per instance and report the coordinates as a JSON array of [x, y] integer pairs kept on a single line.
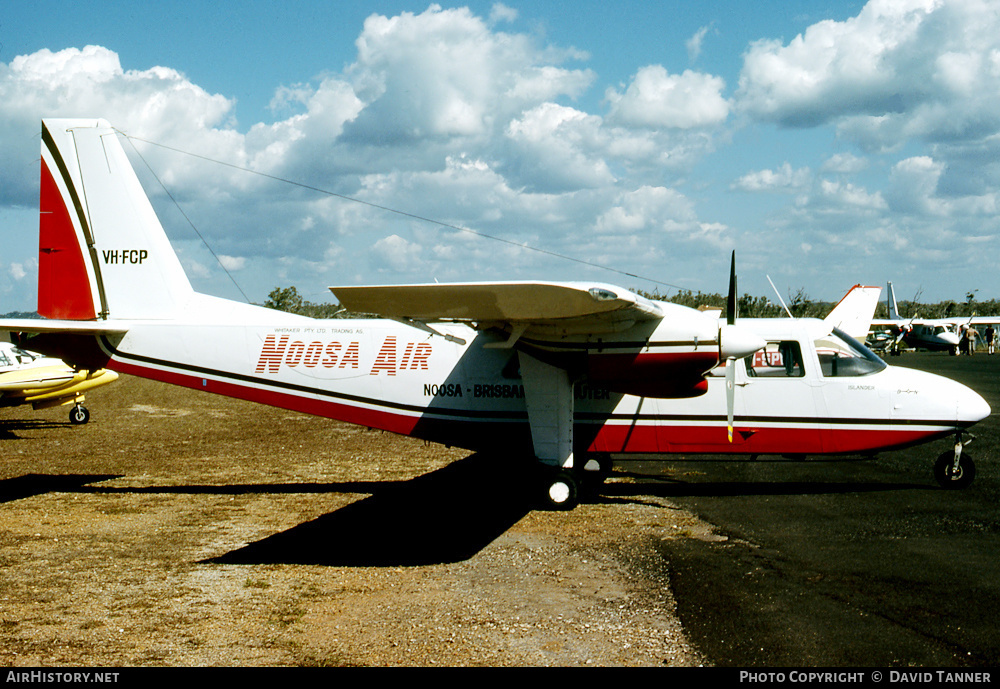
[[785, 439], [389, 421], [643, 436]]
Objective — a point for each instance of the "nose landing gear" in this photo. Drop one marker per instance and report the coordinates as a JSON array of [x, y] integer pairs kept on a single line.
[[955, 469]]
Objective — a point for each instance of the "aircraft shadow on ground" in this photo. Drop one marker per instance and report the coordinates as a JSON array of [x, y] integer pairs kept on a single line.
[[448, 515], [652, 485], [9, 427], [30, 485]]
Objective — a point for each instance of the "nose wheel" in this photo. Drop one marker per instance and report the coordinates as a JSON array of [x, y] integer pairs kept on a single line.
[[955, 469]]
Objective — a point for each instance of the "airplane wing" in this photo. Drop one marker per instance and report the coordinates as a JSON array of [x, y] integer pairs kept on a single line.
[[589, 307], [981, 320]]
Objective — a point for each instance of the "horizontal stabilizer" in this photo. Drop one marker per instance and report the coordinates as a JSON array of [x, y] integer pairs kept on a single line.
[[50, 325]]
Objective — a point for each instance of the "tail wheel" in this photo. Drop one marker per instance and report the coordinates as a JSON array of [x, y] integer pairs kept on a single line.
[[79, 415], [952, 477]]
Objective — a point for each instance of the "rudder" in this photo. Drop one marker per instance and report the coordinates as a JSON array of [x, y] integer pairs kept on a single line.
[[102, 250]]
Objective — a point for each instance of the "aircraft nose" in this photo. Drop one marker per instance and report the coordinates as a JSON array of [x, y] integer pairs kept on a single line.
[[736, 342], [949, 338], [972, 408]]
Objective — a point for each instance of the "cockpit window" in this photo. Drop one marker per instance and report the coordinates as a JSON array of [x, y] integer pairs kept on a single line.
[[840, 355], [10, 356], [777, 360], [23, 356]]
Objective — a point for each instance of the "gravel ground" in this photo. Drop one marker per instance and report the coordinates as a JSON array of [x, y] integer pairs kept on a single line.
[[184, 529]]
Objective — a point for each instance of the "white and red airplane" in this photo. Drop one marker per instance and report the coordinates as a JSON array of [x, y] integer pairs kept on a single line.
[[570, 374]]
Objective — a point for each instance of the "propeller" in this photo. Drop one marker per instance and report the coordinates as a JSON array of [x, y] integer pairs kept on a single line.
[[734, 343], [731, 311]]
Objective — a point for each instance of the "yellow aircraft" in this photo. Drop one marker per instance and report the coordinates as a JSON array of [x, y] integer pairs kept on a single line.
[[43, 382]]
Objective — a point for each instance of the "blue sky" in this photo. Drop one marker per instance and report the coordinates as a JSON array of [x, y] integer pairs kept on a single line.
[[828, 143]]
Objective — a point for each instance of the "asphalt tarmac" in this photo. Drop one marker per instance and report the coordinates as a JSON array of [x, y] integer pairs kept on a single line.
[[845, 561]]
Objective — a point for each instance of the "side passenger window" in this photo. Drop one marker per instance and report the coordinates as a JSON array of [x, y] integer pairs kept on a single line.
[[777, 360]]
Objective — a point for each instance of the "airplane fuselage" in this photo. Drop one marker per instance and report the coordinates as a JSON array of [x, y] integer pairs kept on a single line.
[[934, 337], [381, 374]]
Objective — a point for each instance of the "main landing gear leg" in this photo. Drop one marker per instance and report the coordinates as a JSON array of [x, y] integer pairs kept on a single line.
[[955, 469]]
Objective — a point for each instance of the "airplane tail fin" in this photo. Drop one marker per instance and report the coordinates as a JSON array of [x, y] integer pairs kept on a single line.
[[890, 302], [854, 313], [102, 252]]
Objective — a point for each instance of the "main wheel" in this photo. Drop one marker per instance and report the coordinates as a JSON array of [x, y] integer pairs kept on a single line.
[[79, 415], [950, 477], [561, 490]]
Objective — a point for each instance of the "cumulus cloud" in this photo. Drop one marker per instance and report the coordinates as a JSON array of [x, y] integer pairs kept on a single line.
[[901, 69], [849, 196], [784, 178], [443, 114], [17, 271], [646, 208], [844, 163], [656, 98], [914, 188], [557, 149], [233, 262], [501, 13], [460, 118], [90, 81], [445, 73], [396, 253]]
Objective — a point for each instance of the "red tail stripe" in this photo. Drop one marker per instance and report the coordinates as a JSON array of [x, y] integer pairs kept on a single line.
[[63, 285]]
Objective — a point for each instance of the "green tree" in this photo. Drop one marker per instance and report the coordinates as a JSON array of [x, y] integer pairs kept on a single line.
[[284, 299], [288, 299]]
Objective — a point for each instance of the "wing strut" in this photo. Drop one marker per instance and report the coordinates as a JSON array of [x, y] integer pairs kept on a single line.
[[548, 395], [420, 325]]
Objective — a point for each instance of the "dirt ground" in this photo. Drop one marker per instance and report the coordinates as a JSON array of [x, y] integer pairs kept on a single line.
[[179, 528]]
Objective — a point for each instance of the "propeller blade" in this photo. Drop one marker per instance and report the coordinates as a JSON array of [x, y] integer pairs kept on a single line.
[[731, 301], [734, 344], [730, 394]]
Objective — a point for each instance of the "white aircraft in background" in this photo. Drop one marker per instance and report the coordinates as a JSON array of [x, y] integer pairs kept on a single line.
[[572, 375], [43, 382], [935, 334], [938, 334]]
